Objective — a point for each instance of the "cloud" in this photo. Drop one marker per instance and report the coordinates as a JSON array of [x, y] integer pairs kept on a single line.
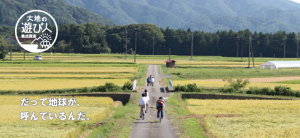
[[298, 1]]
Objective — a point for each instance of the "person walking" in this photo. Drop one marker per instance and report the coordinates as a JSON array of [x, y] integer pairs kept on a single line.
[[152, 81], [148, 81]]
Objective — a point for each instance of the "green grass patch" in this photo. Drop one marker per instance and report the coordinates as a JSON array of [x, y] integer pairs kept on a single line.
[[222, 72], [289, 82], [141, 75], [186, 127], [119, 125]]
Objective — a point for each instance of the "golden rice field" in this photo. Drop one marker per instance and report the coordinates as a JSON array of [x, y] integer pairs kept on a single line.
[[225, 65], [96, 109], [74, 76], [253, 118], [161, 61], [77, 76], [43, 84], [68, 70], [217, 84], [197, 63]]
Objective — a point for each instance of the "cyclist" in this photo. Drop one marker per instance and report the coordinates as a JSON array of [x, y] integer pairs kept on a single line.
[[160, 104], [143, 103]]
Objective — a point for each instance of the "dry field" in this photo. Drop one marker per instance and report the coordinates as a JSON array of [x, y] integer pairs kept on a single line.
[[248, 118], [96, 109]]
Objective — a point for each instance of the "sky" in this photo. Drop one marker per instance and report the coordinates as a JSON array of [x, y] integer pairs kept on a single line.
[[298, 1]]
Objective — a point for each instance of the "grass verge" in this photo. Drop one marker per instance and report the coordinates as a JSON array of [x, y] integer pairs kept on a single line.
[[185, 127], [119, 124], [141, 75]]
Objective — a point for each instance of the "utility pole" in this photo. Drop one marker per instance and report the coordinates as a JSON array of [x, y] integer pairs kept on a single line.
[[153, 45], [135, 48], [126, 46], [249, 51], [192, 46], [242, 48], [297, 45], [237, 47], [10, 48], [169, 53], [284, 46], [252, 54]]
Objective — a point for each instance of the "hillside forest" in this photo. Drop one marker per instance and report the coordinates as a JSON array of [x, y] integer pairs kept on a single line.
[[95, 38]]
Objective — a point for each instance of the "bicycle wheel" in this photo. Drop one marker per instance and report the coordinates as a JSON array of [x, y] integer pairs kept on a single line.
[[160, 116], [143, 115]]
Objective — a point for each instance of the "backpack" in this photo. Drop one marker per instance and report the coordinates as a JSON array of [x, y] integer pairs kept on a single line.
[[148, 80], [160, 102]]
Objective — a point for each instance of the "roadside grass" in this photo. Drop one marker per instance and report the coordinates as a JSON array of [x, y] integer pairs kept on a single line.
[[185, 127], [141, 75], [119, 124]]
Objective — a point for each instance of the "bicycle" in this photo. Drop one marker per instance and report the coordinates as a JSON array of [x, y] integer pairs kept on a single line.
[[143, 114], [147, 107], [159, 113]]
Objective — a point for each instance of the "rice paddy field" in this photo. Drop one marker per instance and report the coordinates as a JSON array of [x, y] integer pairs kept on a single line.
[[221, 118], [247, 118], [11, 125], [211, 77], [96, 69], [28, 75], [217, 84]]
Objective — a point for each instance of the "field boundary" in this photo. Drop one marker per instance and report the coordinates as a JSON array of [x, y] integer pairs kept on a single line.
[[227, 97]]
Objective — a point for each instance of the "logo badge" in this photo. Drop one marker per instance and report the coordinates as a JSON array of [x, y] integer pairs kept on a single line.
[[37, 31]]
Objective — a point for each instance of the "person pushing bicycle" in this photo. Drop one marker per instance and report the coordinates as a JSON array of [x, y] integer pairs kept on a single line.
[[160, 105]]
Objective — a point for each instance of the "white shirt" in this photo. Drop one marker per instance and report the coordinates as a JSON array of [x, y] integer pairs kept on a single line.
[[143, 101], [147, 96], [152, 79]]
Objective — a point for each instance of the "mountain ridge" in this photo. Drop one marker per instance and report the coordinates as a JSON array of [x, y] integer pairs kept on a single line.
[[11, 10], [184, 13]]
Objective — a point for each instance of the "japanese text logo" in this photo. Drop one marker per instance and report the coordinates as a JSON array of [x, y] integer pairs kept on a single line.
[[36, 33]]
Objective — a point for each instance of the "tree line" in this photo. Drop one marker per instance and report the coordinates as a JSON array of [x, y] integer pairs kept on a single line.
[[95, 38]]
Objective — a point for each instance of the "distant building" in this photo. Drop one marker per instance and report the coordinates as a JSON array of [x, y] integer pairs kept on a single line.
[[170, 63], [280, 65], [22, 40]]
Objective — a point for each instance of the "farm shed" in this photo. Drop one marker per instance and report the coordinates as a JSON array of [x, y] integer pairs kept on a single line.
[[170, 63], [280, 64]]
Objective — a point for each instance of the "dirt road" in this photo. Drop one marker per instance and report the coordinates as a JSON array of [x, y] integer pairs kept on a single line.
[[150, 127]]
